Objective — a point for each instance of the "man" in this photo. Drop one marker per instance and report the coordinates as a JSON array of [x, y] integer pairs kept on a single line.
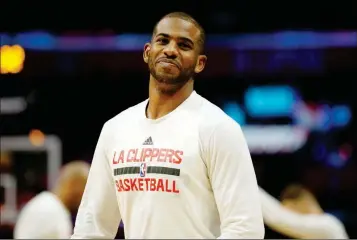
[[300, 215], [48, 215], [170, 167]]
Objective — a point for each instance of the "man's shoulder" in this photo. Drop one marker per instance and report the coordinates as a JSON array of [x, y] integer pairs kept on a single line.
[[43, 202], [40, 217], [127, 115], [41, 197], [212, 119], [212, 116]]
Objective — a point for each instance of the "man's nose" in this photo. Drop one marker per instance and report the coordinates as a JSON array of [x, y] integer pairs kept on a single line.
[[171, 50]]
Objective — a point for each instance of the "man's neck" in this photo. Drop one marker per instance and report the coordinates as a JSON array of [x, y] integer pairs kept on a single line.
[[61, 196], [161, 104]]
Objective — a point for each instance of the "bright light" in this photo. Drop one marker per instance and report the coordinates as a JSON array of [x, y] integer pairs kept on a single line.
[[36, 137], [11, 59]]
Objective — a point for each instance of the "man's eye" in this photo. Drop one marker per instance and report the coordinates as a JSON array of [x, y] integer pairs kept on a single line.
[[184, 45], [162, 40]]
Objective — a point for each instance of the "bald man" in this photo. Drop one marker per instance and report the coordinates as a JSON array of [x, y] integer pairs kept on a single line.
[[48, 215]]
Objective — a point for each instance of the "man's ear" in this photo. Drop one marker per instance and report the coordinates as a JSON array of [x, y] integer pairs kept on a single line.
[[147, 48], [201, 63]]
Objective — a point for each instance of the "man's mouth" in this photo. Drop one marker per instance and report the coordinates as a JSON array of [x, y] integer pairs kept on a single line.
[[168, 63]]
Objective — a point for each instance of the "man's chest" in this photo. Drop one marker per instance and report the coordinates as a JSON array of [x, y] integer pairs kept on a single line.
[[154, 157], [169, 145]]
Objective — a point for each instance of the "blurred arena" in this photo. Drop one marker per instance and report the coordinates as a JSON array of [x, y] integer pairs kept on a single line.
[[289, 83]]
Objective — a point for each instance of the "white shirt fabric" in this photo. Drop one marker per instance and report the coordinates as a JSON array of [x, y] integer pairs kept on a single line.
[[302, 226], [188, 174], [44, 217]]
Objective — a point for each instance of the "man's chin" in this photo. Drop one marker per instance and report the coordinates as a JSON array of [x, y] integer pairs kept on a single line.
[[168, 80], [169, 87]]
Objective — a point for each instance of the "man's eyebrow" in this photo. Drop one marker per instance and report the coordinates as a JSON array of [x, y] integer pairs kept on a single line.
[[162, 35], [181, 38]]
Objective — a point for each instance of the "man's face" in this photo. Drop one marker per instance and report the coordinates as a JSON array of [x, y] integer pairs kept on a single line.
[[299, 206], [173, 54]]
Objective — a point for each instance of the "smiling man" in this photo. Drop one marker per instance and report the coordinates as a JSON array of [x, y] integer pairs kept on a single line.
[[175, 165]]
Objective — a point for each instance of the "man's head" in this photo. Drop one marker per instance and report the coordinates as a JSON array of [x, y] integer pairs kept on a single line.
[[71, 183], [299, 199], [175, 53]]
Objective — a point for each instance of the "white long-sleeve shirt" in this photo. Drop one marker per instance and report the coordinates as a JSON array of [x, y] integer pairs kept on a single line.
[[296, 225], [188, 174], [44, 217]]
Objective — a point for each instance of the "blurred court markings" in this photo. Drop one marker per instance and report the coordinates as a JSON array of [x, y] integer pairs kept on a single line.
[[52, 145]]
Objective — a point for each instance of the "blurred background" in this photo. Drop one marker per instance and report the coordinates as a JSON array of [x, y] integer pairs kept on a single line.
[[286, 72]]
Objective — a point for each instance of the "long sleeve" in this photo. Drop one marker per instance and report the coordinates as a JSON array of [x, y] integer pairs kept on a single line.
[[234, 183], [98, 215], [297, 225]]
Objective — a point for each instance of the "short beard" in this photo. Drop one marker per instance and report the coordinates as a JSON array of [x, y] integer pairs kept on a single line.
[[171, 84]]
